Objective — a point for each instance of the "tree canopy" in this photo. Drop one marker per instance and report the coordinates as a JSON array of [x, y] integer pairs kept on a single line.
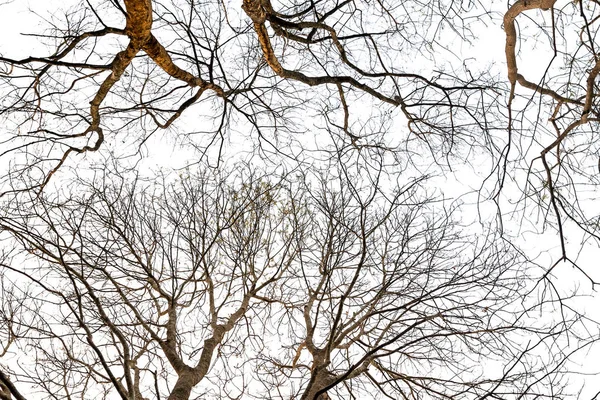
[[292, 199]]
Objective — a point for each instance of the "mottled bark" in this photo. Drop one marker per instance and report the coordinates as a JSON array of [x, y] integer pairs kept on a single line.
[[139, 21], [511, 32]]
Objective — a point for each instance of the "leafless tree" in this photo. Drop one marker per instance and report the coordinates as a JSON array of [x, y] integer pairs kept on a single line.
[[345, 273], [553, 116], [116, 72], [321, 284]]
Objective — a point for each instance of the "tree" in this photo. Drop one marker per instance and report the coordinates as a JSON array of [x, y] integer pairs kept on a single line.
[[567, 159], [335, 263], [316, 287], [257, 65], [119, 72]]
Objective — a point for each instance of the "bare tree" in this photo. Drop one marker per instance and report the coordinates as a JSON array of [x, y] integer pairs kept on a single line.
[[553, 116], [138, 272], [115, 73], [319, 285], [349, 276]]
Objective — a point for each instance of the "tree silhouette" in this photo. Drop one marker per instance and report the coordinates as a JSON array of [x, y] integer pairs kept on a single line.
[[314, 246], [319, 287]]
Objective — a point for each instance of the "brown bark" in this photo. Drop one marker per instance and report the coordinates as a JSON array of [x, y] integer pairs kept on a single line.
[[139, 21], [511, 32], [190, 377], [320, 378], [7, 389], [258, 15]]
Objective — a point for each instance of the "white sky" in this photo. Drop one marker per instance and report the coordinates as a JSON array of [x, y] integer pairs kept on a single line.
[[488, 49]]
